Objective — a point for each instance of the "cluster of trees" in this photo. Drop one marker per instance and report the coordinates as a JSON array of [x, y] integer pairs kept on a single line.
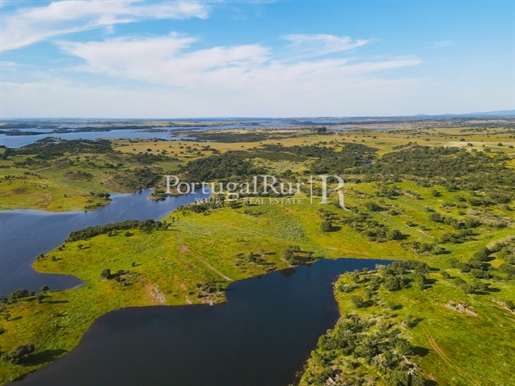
[[146, 226], [373, 230], [51, 148], [219, 167], [431, 248], [208, 288], [235, 137], [78, 175], [454, 168], [479, 267], [275, 153], [329, 160], [206, 206], [120, 276], [400, 274], [135, 179], [294, 255], [22, 293], [360, 350], [369, 349], [425, 161], [476, 287]]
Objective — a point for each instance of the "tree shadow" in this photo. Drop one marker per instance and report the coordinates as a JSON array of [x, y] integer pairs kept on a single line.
[[287, 272], [56, 301], [421, 351], [402, 236], [415, 322], [43, 357], [430, 283]]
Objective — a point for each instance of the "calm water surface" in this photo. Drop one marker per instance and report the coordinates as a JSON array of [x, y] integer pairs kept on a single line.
[[260, 337], [25, 234], [16, 141]]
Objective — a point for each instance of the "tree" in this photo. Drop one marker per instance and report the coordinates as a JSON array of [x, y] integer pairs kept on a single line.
[[403, 347], [436, 193], [357, 301], [327, 226], [19, 354], [288, 254], [18, 294], [408, 321], [436, 217], [393, 283], [44, 289], [106, 274], [417, 380]]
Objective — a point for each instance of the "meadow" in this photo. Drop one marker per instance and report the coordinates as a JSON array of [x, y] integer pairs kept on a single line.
[[199, 250]]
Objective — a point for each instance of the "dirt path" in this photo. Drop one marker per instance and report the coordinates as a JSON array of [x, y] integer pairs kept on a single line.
[[442, 355], [185, 249]]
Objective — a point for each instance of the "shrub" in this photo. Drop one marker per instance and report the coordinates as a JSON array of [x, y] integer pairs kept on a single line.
[[19, 354], [327, 226], [357, 301], [106, 274]]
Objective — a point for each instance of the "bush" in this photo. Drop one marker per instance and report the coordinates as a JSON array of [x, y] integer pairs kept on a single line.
[[19, 354], [327, 226], [436, 217], [357, 301], [106, 274], [18, 294], [393, 283]]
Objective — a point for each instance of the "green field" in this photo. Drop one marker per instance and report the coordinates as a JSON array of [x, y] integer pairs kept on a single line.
[[413, 205]]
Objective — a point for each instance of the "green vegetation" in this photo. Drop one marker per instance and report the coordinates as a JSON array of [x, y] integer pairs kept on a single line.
[[445, 209], [410, 324], [60, 175]]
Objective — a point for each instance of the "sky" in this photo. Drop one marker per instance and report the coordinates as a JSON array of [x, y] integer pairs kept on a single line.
[[255, 58]]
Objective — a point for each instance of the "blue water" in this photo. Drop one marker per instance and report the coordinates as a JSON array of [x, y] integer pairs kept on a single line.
[[23, 140], [25, 234], [261, 337]]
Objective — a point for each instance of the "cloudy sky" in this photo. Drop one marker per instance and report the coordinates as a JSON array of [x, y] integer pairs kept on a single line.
[[251, 58]]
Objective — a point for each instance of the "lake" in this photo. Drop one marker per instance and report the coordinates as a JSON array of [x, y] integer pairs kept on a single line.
[[25, 234], [23, 140], [261, 337]]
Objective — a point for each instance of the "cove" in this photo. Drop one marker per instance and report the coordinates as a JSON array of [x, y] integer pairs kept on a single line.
[[25, 234], [261, 336]]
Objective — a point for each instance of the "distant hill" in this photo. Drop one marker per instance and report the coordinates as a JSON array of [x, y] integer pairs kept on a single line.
[[502, 113]]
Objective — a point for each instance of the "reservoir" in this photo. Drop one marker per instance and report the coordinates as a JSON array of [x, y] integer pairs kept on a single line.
[[261, 336], [25, 234]]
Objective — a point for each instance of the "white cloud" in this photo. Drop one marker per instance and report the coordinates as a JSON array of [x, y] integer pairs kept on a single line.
[[444, 43], [179, 81], [169, 61], [30, 25], [320, 44]]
